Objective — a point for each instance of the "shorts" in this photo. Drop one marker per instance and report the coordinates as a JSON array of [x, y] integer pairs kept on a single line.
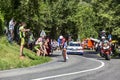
[[36, 48], [22, 41]]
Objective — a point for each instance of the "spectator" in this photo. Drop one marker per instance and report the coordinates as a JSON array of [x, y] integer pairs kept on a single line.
[[11, 28], [109, 37], [38, 46], [44, 49], [7, 33], [47, 46], [31, 41], [17, 37], [22, 31], [54, 45]]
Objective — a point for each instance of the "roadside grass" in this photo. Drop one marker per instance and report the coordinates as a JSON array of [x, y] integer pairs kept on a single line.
[[9, 56]]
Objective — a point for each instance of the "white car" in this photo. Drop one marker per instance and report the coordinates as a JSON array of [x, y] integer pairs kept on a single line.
[[75, 48]]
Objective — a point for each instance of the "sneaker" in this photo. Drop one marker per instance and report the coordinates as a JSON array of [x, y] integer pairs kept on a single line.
[[67, 57]]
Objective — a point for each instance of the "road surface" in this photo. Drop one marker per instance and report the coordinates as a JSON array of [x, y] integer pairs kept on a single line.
[[87, 67]]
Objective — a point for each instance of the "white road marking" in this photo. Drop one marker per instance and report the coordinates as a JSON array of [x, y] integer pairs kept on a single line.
[[73, 73]]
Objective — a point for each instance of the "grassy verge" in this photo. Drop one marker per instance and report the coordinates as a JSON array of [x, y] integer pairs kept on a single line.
[[9, 56]]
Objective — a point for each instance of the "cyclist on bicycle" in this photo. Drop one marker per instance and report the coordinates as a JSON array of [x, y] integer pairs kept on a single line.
[[64, 52]]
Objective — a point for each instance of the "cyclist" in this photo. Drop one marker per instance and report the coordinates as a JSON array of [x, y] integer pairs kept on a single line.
[[64, 51], [60, 42]]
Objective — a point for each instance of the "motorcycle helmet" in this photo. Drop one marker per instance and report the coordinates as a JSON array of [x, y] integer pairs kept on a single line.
[[103, 37], [103, 31]]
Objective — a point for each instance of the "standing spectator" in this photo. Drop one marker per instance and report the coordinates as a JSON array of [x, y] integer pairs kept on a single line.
[[31, 41], [11, 28], [47, 46], [109, 37], [16, 32], [22, 31]]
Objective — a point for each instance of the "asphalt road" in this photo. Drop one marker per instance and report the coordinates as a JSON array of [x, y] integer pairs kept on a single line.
[[87, 67]]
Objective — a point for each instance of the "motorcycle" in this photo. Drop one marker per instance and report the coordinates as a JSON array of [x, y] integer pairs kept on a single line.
[[106, 51]]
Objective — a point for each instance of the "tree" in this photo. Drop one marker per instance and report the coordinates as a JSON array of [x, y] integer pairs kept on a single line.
[[78, 18], [84, 18], [108, 17]]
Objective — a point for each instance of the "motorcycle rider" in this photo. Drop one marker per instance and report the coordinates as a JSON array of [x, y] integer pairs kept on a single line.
[[103, 33], [103, 40], [102, 43]]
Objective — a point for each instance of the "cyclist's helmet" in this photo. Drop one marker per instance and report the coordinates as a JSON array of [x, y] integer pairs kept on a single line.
[[61, 37]]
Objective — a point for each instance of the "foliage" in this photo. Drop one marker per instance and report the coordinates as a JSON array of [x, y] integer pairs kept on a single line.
[[85, 20], [108, 17], [79, 18], [1, 23]]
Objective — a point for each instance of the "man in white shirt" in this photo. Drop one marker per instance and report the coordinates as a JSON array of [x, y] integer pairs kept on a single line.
[[11, 28]]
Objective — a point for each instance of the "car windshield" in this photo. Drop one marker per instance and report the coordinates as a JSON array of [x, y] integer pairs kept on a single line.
[[74, 44]]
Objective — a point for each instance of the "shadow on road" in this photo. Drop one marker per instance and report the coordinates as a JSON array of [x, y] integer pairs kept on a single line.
[[60, 61], [115, 57], [55, 55], [103, 59], [91, 54]]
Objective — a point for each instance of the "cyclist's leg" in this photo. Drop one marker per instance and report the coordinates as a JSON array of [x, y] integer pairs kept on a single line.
[[64, 54]]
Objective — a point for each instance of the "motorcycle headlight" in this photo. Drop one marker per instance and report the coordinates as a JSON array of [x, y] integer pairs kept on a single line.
[[107, 47]]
